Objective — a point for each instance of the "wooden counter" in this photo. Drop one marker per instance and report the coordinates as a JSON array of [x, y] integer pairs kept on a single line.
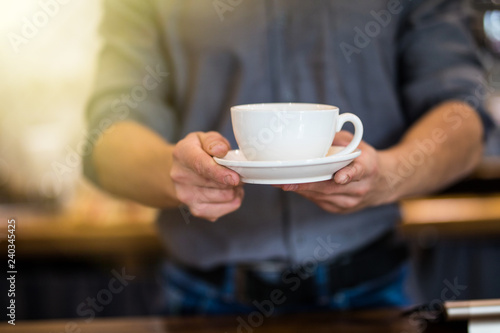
[[457, 215], [379, 321]]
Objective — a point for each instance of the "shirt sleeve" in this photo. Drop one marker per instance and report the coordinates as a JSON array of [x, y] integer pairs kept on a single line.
[[132, 79], [439, 59]]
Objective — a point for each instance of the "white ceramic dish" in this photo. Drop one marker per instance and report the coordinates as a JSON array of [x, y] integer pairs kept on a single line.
[[287, 172]]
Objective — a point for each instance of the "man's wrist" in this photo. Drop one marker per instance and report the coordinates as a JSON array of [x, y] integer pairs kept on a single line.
[[392, 179]]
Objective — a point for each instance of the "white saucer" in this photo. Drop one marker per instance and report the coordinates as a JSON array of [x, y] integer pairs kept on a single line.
[[287, 172]]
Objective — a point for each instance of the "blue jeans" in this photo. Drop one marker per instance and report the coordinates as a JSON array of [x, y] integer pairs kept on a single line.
[[189, 295]]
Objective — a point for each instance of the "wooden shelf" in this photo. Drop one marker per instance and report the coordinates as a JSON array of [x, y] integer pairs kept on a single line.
[[455, 215], [92, 224]]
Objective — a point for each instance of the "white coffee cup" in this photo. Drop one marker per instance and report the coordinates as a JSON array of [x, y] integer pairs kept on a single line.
[[290, 131]]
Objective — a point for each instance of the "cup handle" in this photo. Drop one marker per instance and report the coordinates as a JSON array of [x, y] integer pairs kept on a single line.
[[358, 131]]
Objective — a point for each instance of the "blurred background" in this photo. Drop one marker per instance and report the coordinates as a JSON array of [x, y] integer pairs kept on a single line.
[[47, 63], [72, 239]]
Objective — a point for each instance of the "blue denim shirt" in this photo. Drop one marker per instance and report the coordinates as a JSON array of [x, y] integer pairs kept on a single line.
[[178, 65]]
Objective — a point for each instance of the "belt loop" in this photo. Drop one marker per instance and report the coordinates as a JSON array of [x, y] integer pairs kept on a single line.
[[322, 284], [240, 283], [229, 288]]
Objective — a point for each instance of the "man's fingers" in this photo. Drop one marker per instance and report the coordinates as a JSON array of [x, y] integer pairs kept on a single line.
[[342, 138], [191, 155], [212, 211], [207, 188], [202, 170], [205, 166], [193, 195], [324, 187], [351, 173], [184, 175], [327, 188], [338, 207], [214, 143]]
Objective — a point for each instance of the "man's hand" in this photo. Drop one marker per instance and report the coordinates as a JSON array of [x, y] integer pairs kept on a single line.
[[440, 148], [134, 162], [358, 185], [206, 188]]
